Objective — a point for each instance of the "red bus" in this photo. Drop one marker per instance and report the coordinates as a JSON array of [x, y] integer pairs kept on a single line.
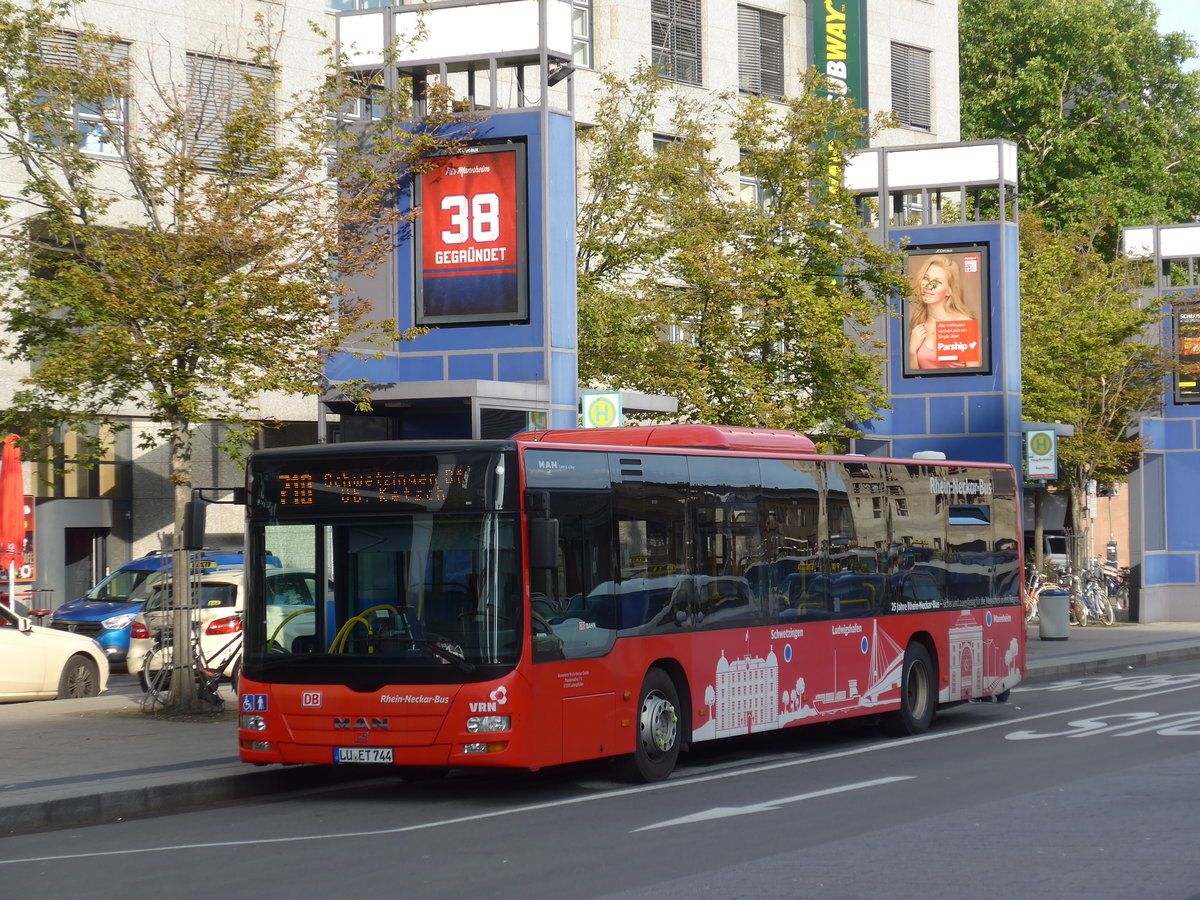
[[574, 595]]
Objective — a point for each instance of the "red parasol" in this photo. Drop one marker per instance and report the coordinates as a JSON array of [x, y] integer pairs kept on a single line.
[[12, 509]]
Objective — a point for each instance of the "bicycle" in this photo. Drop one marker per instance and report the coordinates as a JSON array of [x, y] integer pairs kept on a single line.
[[1033, 587], [1090, 598], [208, 671], [1116, 581], [1037, 581]]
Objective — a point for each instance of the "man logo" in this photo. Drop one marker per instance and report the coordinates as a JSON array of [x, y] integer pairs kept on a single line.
[[362, 723]]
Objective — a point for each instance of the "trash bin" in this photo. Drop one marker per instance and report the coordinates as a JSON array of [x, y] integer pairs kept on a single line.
[[1054, 615]]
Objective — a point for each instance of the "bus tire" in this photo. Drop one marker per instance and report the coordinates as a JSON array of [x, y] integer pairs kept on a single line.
[[658, 732], [918, 693]]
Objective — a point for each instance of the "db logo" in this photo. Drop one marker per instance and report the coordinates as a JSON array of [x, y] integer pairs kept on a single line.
[[310, 698]]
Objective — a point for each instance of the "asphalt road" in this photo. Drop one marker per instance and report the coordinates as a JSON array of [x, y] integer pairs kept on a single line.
[[1081, 788]]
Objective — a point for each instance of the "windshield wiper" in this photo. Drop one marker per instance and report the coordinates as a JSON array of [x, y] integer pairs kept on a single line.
[[441, 648]]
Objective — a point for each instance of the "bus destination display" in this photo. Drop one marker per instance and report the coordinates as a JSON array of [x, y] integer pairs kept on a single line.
[[368, 487]]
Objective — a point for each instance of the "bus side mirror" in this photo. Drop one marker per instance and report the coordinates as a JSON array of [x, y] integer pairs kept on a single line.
[[543, 543], [194, 524]]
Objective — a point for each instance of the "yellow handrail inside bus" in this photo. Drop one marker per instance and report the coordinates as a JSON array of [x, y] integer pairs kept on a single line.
[[279, 627], [343, 634]]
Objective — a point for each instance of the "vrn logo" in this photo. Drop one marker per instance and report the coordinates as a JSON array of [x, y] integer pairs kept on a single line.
[[496, 699], [362, 723]]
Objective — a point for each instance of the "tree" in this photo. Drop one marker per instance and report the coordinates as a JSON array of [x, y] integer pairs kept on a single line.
[[1106, 121], [185, 248], [747, 289], [1088, 357]]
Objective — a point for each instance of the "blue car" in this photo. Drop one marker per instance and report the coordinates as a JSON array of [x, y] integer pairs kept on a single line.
[[106, 612]]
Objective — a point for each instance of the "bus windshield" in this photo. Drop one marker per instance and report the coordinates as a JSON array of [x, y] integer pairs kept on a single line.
[[426, 578]]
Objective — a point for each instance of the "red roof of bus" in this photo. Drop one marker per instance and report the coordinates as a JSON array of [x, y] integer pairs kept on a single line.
[[709, 437]]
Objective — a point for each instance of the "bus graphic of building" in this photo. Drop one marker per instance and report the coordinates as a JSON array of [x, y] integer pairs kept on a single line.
[[746, 694], [966, 658]]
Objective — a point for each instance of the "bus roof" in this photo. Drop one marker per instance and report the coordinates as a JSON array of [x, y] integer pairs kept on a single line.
[[705, 437]]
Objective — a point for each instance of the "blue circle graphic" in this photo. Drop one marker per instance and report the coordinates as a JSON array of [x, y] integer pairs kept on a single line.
[[864, 644], [787, 652]]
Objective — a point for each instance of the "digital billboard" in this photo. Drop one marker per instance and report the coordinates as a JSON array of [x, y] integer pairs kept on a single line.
[[1187, 347], [946, 314], [470, 237]]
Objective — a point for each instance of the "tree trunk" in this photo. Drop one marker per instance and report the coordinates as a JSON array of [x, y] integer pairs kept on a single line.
[[183, 682]]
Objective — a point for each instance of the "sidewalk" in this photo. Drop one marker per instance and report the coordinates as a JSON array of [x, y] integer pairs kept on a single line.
[[67, 763]]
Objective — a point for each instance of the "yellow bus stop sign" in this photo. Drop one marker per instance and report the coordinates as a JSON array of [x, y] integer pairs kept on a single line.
[[601, 409], [1041, 454]]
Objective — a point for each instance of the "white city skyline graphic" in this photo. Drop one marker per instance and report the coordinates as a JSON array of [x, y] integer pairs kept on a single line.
[[750, 692]]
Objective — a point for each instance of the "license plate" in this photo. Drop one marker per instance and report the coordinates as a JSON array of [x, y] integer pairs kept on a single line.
[[362, 755]]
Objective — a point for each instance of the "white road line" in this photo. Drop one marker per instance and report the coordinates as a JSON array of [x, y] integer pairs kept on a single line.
[[722, 812], [620, 792]]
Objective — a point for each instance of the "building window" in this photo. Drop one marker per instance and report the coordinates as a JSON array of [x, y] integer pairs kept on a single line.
[[351, 5], [218, 88], [108, 475], [581, 32], [363, 98], [760, 52], [359, 101], [910, 87], [663, 142], [752, 191], [99, 121], [675, 39]]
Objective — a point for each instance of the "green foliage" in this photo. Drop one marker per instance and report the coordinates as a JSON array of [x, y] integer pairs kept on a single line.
[[1106, 121], [189, 271], [747, 289], [1089, 352]]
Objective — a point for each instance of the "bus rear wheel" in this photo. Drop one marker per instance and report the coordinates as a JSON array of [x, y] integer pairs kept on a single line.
[[658, 737], [918, 693]]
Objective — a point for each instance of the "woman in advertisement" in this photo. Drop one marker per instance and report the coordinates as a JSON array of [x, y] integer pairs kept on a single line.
[[935, 341]]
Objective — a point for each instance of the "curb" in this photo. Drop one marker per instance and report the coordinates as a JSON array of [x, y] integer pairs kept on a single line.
[[1052, 671], [113, 805]]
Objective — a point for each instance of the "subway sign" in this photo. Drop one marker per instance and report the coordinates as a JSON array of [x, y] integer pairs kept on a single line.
[[838, 47]]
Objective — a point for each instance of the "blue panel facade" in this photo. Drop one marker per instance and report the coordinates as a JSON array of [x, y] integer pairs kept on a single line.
[[1168, 511], [473, 366], [538, 355]]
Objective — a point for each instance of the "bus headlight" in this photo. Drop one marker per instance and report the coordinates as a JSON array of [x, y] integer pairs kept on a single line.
[[253, 723], [481, 724]]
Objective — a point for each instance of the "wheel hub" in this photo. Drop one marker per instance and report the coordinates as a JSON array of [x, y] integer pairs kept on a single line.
[[659, 724]]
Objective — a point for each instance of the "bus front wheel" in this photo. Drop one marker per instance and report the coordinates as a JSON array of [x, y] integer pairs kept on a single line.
[[658, 732], [918, 693]]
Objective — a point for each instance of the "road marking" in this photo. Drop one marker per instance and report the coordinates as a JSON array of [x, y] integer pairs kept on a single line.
[[590, 798], [1113, 682], [722, 812], [1182, 724]]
